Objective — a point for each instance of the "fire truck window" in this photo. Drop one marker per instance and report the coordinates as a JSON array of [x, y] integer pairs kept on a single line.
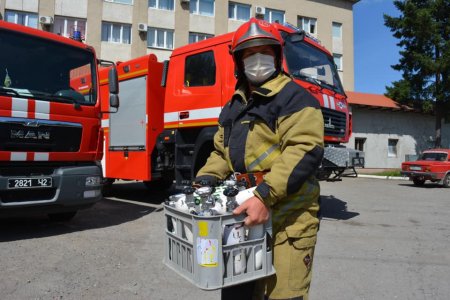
[[68, 71], [200, 70]]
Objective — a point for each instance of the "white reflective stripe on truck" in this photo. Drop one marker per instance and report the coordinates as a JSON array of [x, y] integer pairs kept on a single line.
[[105, 123], [325, 101], [332, 104], [42, 110], [18, 156], [194, 114], [41, 156], [21, 109]]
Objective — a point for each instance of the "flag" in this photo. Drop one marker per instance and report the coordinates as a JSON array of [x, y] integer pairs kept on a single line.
[[7, 82]]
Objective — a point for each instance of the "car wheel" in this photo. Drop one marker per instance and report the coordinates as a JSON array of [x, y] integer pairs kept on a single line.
[[447, 180], [418, 181], [62, 217]]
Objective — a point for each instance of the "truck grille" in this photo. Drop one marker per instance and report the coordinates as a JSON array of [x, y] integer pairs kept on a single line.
[[334, 122], [27, 195], [31, 135]]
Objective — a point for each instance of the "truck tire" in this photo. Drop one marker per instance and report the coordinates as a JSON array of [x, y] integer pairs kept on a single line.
[[62, 217], [107, 187], [418, 181], [447, 180]]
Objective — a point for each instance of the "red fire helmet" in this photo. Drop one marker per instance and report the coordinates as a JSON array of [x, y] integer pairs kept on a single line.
[[255, 33]]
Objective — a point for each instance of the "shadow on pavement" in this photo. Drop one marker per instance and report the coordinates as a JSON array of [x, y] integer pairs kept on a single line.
[[130, 202], [137, 191], [334, 208]]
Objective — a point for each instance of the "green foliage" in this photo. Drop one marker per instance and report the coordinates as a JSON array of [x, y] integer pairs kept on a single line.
[[423, 31]]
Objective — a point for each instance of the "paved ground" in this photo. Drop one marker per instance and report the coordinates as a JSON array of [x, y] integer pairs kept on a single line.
[[379, 239]]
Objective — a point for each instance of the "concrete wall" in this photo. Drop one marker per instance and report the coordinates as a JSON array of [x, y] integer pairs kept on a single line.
[[70, 8], [413, 131], [23, 5]]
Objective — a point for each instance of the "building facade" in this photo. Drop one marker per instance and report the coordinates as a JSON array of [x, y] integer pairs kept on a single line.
[[125, 29], [390, 134]]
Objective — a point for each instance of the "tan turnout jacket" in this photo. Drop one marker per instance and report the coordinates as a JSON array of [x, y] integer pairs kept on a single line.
[[279, 129]]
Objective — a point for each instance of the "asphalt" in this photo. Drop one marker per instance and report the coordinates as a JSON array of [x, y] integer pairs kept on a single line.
[[379, 239]]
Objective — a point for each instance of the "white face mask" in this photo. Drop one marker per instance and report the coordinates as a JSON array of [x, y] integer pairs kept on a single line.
[[258, 67]]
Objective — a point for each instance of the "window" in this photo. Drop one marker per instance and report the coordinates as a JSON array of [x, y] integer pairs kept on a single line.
[[159, 38], [22, 18], [337, 30], [70, 73], [200, 70], [274, 16], [238, 11], [434, 156], [66, 26], [307, 24], [338, 61], [130, 2], [116, 33], [195, 37], [392, 147], [359, 143], [161, 4], [202, 7], [306, 62]]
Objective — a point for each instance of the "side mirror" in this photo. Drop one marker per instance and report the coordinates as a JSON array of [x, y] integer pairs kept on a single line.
[[113, 80], [113, 85], [114, 100]]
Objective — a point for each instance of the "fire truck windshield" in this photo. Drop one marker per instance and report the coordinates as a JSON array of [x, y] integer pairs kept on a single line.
[[308, 63], [33, 67]]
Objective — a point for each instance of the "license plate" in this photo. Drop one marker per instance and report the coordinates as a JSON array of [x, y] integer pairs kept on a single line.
[[415, 168], [27, 183]]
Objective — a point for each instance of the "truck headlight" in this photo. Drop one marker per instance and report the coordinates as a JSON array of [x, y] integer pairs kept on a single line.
[[93, 181]]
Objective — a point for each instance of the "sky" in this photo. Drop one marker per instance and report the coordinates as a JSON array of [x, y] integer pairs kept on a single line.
[[375, 47]]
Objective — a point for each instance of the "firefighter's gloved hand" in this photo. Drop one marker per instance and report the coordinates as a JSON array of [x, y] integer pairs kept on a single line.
[[257, 212]]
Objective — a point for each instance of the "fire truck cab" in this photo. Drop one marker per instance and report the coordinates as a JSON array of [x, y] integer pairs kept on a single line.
[[50, 130], [200, 80], [197, 82]]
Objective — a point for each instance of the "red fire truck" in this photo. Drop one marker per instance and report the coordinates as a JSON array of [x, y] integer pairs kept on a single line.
[[198, 80], [51, 140]]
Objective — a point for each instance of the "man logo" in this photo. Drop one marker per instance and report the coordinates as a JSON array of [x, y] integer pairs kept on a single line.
[[341, 105], [30, 135]]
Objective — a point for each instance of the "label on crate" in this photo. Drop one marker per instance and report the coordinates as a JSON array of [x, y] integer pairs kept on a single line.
[[208, 252], [202, 228]]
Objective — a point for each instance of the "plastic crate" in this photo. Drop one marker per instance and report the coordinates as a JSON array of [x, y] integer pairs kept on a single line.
[[186, 237]]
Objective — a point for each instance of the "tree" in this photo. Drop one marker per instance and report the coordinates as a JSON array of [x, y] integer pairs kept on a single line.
[[423, 29]]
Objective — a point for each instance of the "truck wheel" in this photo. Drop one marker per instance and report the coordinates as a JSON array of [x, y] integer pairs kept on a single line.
[[418, 181], [323, 174], [447, 181], [107, 187], [62, 217]]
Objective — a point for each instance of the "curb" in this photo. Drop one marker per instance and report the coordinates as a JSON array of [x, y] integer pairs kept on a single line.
[[383, 177]]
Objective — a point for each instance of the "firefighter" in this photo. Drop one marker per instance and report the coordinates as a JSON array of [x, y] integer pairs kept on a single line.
[[271, 133]]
